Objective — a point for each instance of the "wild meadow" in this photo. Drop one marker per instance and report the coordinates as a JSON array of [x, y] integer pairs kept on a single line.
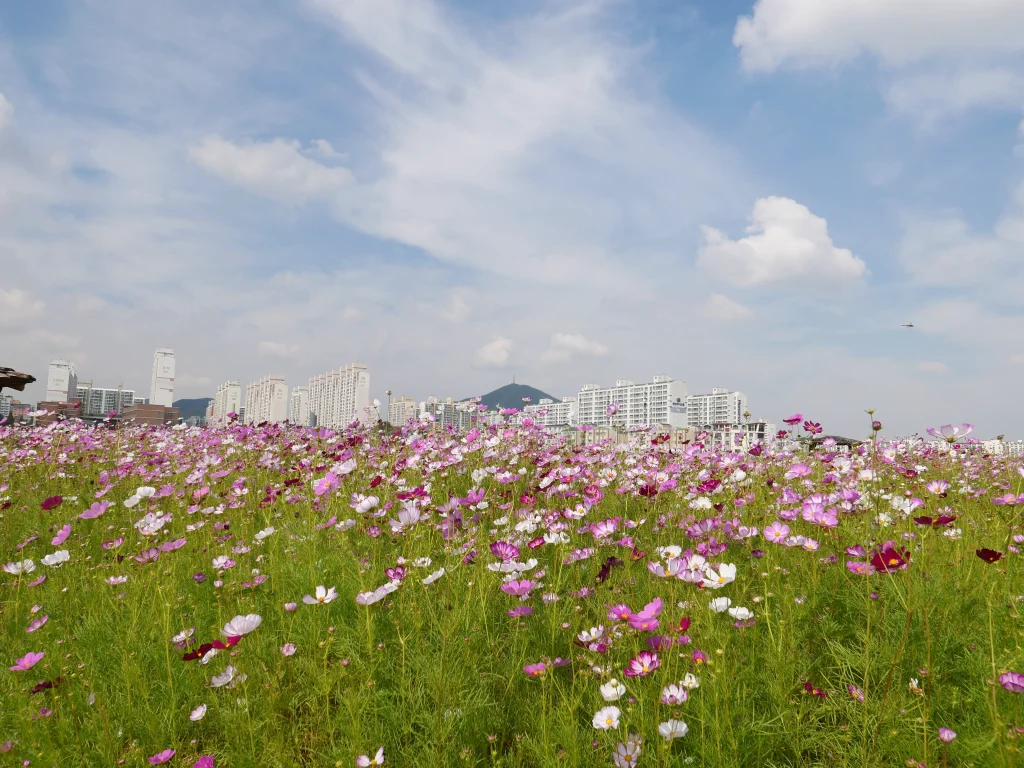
[[283, 596]]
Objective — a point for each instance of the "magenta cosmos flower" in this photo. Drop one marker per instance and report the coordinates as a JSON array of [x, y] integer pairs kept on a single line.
[[1012, 681], [642, 664], [518, 588], [504, 551], [161, 757], [206, 761], [51, 503], [29, 660], [535, 670]]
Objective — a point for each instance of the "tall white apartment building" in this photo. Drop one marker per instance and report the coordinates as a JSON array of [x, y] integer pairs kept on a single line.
[[443, 411], [720, 406], [547, 413], [99, 401], [227, 400], [401, 410], [661, 401], [337, 398], [298, 410], [5, 405], [161, 388], [266, 400], [61, 381]]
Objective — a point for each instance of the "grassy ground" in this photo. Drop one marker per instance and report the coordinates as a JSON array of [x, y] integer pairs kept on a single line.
[[434, 672]]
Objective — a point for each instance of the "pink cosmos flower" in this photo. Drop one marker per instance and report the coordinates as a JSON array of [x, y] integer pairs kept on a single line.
[[161, 757], [206, 761], [288, 649], [97, 509], [61, 536], [504, 551], [1012, 681], [795, 419], [518, 588], [776, 532], [535, 670], [363, 760], [620, 612], [642, 664], [946, 735], [520, 610], [30, 659], [950, 433], [113, 544], [860, 568], [37, 624]]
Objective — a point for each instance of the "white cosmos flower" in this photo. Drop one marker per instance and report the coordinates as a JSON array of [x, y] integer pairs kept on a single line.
[[690, 682], [669, 552], [264, 533], [145, 492], [726, 574], [241, 625], [613, 690], [673, 729], [607, 718], [434, 576], [115, 580], [422, 562], [131, 501], [741, 614], [208, 655], [720, 604], [198, 713], [56, 559], [184, 635], [230, 677], [16, 569], [322, 596]]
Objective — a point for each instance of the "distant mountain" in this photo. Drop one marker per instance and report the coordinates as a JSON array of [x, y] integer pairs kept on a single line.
[[195, 406], [511, 396]]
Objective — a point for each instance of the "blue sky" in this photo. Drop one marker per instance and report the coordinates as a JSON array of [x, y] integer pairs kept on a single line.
[[745, 194]]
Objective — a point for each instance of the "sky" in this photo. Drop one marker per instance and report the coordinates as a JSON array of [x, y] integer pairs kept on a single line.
[[746, 194]]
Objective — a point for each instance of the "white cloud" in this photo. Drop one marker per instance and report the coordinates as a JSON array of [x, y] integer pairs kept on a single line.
[[19, 308], [275, 169], [942, 250], [458, 310], [278, 350], [351, 314], [931, 96], [719, 307], [933, 367], [6, 112], [1017, 359], [785, 242], [899, 32], [566, 346], [1018, 149], [493, 354]]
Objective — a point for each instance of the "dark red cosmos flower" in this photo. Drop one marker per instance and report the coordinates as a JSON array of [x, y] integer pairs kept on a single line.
[[988, 555], [808, 688], [638, 554], [647, 490], [937, 522], [376, 481], [44, 685], [756, 450], [52, 503], [684, 624], [606, 569], [889, 558], [205, 648]]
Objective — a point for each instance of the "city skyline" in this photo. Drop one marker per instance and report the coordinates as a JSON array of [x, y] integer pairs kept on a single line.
[[600, 190]]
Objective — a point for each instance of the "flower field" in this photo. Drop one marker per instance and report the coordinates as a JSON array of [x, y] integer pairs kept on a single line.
[[276, 596]]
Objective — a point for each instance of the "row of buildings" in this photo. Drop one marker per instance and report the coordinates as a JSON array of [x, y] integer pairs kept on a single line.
[[333, 399]]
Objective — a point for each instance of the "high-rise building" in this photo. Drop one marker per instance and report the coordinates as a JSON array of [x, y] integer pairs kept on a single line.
[[5, 405], [441, 411], [298, 411], [628, 404], [161, 388], [61, 381], [547, 413], [100, 401], [266, 400], [337, 398], [720, 406], [228, 399], [401, 410]]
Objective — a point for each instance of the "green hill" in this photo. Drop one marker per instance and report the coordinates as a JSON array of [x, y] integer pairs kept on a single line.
[[511, 396]]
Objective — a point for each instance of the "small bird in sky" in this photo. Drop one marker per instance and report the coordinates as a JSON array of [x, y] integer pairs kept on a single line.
[[907, 325]]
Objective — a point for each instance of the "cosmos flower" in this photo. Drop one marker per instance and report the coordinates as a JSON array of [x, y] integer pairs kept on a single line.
[[720, 604], [61, 536], [288, 649], [434, 576], [988, 555], [19, 568], [51, 503], [363, 761], [776, 532], [642, 664], [1012, 681], [29, 660], [627, 754], [889, 558], [37, 624], [241, 625], [323, 596], [674, 694], [741, 614], [56, 559], [946, 736], [607, 718], [198, 713], [229, 678], [673, 729], [161, 757], [518, 588], [726, 574], [613, 690], [950, 433], [535, 670]]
